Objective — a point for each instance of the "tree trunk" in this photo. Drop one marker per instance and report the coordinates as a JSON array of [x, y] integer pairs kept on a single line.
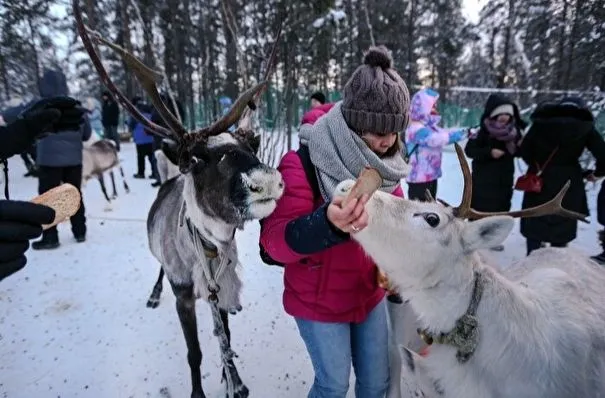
[[123, 40], [411, 61], [231, 86]]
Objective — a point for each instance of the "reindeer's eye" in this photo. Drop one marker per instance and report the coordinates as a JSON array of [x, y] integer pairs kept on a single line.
[[431, 219], [256, 189]]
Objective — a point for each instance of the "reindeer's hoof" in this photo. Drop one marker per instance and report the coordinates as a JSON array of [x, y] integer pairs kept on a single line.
[[235, 309], [240, 391], [198, 394], [114, 197], [153, 302]]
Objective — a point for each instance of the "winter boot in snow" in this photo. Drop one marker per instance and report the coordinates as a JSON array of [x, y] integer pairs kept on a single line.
[[49, 241], [600, 258]]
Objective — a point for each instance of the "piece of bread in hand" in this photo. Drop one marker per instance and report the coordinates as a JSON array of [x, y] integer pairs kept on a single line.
[[64, 200]]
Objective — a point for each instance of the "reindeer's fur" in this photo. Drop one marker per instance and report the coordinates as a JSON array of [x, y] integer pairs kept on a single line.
[[541, 320], [166, 169], [228, 187], [97, 158]]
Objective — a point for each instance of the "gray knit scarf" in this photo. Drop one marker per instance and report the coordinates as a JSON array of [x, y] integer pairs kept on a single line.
[[339, 154]]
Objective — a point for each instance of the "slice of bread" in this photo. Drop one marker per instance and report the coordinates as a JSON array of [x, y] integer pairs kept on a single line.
[[64, 200]]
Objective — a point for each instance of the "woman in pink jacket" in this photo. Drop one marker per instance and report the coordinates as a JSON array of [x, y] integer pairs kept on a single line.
[[331, 286]]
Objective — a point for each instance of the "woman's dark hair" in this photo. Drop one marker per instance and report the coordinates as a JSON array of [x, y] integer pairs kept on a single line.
[[395, 148], [319, 96]]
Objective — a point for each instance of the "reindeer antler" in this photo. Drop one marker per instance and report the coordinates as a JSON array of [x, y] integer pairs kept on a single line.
[[149, 79], [552, 207], [96, 61]]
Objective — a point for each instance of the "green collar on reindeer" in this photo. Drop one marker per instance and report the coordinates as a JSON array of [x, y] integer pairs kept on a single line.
[[465, 334]]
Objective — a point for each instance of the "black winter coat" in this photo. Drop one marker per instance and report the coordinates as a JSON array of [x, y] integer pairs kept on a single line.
[[569, 130], [110, 114], [492, 178]]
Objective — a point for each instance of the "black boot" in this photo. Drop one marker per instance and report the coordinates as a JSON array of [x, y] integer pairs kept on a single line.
[[600, 258], [46, 243], [32, 171]]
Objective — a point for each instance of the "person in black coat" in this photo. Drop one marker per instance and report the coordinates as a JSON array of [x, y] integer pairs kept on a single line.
[[492, 150], [560, 131], [110, 117]]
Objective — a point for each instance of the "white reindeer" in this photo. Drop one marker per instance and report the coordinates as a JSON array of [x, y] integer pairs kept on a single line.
[[533, 330], [166, 169]]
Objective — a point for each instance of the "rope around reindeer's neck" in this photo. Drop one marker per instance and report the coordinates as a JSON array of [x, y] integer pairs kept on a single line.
[[465, 334]]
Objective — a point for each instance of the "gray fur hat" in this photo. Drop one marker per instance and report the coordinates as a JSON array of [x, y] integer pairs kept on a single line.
[[376, 99]]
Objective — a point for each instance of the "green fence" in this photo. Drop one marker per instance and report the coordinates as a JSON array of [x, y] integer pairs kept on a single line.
[[457, 109]]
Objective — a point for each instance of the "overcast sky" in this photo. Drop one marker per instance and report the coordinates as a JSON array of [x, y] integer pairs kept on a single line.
[[471, 8]]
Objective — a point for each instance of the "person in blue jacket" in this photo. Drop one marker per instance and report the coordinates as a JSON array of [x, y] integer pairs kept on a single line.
[[143, 140]]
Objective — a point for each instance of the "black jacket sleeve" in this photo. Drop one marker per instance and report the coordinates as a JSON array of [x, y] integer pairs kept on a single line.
[[526, 150], [478, 148], [86, 128], [596, 145], [313, 233]]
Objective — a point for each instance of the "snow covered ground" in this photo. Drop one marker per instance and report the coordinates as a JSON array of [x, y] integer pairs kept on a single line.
[[73, 323]]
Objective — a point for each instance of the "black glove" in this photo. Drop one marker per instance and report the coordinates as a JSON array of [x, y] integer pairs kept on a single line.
[[19, 222], [71, 112], [44, 116]]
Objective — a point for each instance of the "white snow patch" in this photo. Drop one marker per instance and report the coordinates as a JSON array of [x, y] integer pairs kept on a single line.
[[74, 324]]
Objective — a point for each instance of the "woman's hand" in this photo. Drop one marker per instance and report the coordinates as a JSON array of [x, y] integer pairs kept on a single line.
[[497, 153], [351, 218]]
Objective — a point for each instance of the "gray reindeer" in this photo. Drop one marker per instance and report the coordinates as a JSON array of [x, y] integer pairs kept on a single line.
[[99, 157], [192, 223]]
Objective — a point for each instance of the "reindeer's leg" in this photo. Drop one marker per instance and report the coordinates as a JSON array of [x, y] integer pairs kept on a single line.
[[230, 374], [126, 187], [154, 299], [102, 182], [185, 308], [113, 184]]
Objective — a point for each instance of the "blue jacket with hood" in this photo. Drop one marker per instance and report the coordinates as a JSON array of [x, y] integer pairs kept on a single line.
[[63, 148]]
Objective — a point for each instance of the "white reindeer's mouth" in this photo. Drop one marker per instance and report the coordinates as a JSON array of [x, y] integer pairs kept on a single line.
[[261, 208]]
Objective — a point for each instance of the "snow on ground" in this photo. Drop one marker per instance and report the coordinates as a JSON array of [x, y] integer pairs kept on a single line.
[[73, 323]]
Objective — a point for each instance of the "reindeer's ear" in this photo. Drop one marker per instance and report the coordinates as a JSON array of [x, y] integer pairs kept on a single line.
[[254, 142], [169, 147], [248, 137], [487, 232]]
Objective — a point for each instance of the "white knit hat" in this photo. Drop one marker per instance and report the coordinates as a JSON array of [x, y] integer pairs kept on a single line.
[[503, 109]]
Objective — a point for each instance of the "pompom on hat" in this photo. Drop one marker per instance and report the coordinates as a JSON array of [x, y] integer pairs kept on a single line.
[[376, 99]]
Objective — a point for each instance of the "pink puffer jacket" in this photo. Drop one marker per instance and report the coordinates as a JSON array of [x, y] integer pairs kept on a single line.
[[335, 284]]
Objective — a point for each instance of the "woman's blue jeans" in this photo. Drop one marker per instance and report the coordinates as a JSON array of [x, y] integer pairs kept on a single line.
[[333, 347]]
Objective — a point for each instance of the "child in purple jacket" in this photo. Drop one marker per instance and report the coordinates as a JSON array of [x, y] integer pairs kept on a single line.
[[424, 141]]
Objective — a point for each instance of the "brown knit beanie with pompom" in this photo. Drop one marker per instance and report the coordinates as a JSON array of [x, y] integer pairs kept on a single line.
[[376, 99]]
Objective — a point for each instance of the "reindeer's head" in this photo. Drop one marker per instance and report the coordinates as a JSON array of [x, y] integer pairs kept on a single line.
[[416, 241], [236, 186]]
